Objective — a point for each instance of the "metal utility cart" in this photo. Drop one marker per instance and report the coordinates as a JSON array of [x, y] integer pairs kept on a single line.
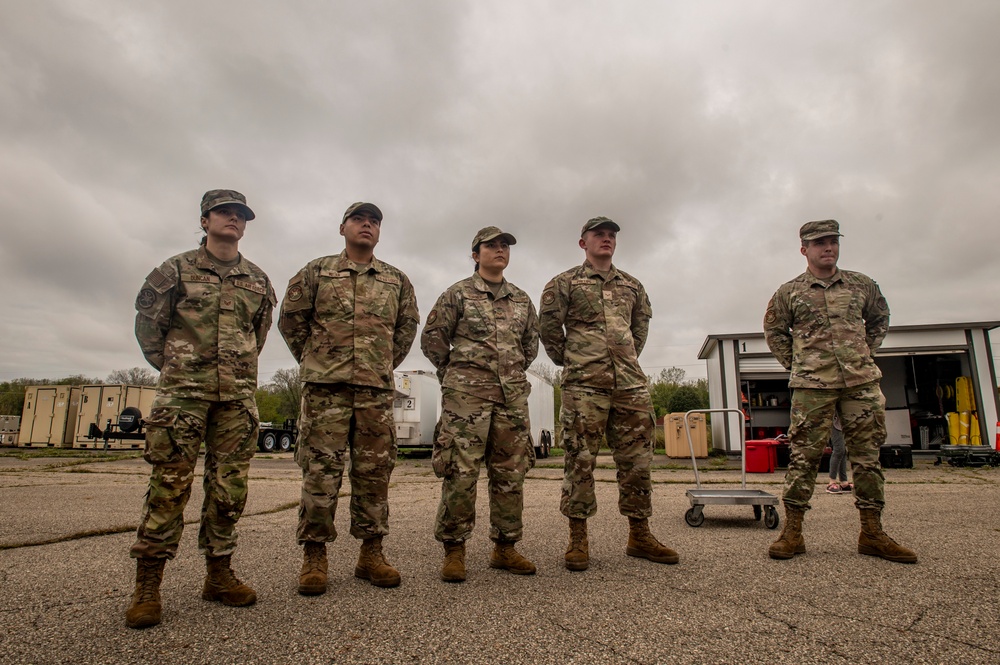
[[762, 502]]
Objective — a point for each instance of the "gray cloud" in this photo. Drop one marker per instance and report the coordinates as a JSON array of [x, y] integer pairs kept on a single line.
[[710, 131]]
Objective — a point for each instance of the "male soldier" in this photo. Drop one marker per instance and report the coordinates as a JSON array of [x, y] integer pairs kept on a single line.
[[481, 336], [349, 320], [594, 322], [202, 320], [824, 326]]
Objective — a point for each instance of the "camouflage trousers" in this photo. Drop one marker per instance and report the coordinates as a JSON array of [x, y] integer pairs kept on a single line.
[[862, 414], [472, 430], [338, 420], [175, 430], [625, 418]]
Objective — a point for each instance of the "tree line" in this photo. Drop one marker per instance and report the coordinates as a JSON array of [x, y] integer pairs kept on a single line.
[[12, 392]]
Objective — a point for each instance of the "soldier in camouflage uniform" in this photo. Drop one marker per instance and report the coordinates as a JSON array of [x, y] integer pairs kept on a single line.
[[202, 318], [824, 326], [349, 320], [594, 320], [481, 336]]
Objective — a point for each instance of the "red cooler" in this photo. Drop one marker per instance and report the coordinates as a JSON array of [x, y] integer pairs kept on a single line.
[[762, 456]]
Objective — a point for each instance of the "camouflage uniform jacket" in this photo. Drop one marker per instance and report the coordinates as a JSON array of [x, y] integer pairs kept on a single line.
[[826, 332], [482, 345], [202, 332], [345, 326], [596, 329]]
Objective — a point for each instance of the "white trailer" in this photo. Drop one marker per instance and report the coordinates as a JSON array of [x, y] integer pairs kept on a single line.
[[417, 407], [541, 410]]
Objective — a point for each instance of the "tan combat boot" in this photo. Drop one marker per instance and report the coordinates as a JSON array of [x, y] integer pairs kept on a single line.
[[146, 608], [874, 542], [222, 586], [505, 557], [578, 552], [312, 578], [644, 545], [453, 568], [790, 542], [372, 565]]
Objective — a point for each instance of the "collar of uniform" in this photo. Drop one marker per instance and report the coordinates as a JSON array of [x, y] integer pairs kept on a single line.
[[813, 279], [481, 285], [204, 262], [591, 271], [344, 263]]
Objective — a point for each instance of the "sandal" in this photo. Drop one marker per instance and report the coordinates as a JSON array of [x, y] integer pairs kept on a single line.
[[846, 487], [834, 488]]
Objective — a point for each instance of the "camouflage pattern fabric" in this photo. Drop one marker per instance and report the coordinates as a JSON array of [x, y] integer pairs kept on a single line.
[[862, 414], [201, 331], [826, 331], [595, 329], [349, 325], [628, 419], [175, 430], [337, 421], [481, 344], [472, 430]]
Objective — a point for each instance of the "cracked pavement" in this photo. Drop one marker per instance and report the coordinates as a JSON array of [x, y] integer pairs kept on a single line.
[[65, 577]]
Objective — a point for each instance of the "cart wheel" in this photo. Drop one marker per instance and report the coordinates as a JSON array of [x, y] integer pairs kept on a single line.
[[771, 518], [694, 517], [756, 513]]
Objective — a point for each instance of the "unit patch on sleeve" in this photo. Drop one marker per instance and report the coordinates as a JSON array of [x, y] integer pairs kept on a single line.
[[146, 299], [294, 293]]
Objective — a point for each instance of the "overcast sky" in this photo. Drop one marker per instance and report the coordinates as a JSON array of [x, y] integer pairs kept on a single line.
[[710, 131]]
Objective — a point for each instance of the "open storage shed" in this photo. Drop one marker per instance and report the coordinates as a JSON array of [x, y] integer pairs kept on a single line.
[[921, 365]]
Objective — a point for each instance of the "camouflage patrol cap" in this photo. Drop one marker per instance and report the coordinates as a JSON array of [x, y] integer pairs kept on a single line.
[[219, 197], [489, 233], [597, 222], [361, 206], [822, 229]]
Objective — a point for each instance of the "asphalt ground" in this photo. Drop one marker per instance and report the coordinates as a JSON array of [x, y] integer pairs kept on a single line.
[[66, 525]]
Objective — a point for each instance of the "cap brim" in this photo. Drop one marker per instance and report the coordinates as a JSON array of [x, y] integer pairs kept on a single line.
[[511, 240], [604, 225], [817, 236], [247, 212]]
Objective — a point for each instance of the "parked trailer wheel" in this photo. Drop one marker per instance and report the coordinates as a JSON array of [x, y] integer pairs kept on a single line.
[[771, 518], [694, 516], [544, 445], [285, 443], [268, 442], [130, 419]]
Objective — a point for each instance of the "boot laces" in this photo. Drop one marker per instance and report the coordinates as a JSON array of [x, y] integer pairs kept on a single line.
[[149, 584]]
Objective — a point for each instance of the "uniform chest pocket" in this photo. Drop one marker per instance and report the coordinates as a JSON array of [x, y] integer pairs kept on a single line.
[[384, 301], [247, 299], [334, 294], [477, 318], [624, 298], [585, 302], [842, 304], [199, 293], [518, 314]]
